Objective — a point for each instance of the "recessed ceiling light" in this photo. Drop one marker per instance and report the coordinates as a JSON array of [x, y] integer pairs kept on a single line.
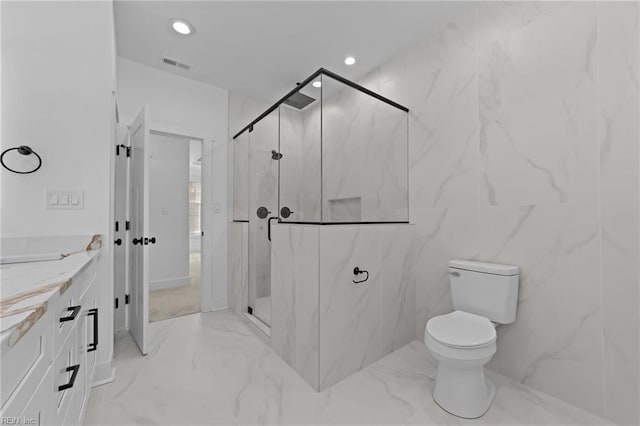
[[349, 60], [317, 83], [181, 27]]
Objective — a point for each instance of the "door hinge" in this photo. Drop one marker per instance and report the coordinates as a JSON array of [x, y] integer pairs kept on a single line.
[[250, 310], [128, 151], [124, 147], [116, 303], [202, 233], [127, 225], [126, 299], [117, 226]]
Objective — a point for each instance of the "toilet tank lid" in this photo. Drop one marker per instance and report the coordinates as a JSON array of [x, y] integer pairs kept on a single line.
[[487, 268]]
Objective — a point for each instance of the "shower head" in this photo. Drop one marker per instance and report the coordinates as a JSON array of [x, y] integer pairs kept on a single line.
[[299, 100]]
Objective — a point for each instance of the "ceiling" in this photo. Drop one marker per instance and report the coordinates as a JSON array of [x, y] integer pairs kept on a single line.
[[262, 48]]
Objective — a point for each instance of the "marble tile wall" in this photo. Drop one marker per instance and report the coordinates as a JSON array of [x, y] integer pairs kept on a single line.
[[325, 326], [524, 149], [237, 265], [364, 155], [295, 290]]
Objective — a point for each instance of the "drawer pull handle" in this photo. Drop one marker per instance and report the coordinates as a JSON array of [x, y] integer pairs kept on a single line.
[[94, 345], [74, 313], [74, 369]]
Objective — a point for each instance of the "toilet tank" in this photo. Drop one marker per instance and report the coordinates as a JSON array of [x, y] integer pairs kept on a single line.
[[486, 289]]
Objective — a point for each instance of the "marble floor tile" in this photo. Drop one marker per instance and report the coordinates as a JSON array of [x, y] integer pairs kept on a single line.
[[211, 369]]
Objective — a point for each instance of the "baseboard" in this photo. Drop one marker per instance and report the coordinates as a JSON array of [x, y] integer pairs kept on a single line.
[[105, 373], [218, 304], [169, 283]]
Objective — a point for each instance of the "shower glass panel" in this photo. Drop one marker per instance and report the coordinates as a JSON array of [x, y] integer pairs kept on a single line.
[[300, 146], [263, 205], [364, 157], [241, 178]]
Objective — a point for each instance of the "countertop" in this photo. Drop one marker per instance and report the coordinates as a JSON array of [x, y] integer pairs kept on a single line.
[[26, 288]]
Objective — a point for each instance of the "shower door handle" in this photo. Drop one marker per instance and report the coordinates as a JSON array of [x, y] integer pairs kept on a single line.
[[269, 226]]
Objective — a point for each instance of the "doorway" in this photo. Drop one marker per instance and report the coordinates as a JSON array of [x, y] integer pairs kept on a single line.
[[151, 281], [175, 212]]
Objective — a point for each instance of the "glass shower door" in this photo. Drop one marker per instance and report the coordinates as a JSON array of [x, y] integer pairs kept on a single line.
[[263, 211]]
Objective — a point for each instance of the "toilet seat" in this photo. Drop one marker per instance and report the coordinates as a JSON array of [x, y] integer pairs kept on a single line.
[[461, 330]]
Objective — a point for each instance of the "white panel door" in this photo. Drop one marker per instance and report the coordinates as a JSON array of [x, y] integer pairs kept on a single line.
[[121, 248], [139, 232]]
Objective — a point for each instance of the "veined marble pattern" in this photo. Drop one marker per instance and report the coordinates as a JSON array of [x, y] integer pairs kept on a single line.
[[325, 326], [364, 154], [362, 322], [291, 191], [620, 298], [211, 369], [311, 157], [28, 287], [524, 149], [440, 235], [555, 343], [443, 100], [237, 265], [349, 314], [619, 89], [619, 141], [538, 111], [295, 274]]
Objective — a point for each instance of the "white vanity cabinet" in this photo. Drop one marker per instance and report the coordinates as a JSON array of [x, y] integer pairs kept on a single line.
[[47, 374]]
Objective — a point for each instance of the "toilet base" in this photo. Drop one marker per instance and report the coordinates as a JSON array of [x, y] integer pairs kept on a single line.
[[463, 392]]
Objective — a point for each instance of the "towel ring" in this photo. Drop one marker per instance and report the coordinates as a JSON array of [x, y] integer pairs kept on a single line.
[[24, 150], [358, 271]]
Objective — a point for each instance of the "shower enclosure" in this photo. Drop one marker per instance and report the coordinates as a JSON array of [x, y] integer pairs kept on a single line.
[[330, 152]]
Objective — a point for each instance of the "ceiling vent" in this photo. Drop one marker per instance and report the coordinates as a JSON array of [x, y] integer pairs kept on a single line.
[[175, 63]]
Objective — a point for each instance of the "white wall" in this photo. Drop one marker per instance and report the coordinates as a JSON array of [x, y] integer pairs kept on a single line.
[[57, 85], [169, 212], [199, 110]]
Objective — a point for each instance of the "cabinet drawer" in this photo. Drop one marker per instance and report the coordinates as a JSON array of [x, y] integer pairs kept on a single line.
[[66, 315], [66, 368], [24, 364], [36, 410]]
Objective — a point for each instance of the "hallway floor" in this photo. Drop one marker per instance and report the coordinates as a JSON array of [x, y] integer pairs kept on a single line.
[[211, 369], [176, 302]]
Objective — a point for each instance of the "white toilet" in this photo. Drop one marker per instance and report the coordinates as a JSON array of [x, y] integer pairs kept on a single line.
[[484, 296]]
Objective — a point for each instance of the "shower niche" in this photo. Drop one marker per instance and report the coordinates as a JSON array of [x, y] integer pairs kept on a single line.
[[320, 186]]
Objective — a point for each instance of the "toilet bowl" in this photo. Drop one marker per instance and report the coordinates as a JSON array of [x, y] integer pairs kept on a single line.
[[463, 341], [463, 344]]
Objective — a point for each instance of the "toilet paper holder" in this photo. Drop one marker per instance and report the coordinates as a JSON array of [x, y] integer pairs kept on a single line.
[[358, 271]]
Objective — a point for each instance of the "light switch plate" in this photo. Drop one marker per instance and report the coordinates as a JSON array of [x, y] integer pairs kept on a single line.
[[64, 200]]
